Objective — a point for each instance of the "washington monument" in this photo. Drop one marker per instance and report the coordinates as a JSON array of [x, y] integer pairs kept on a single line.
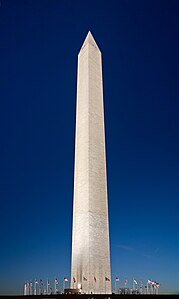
[[90, 266]]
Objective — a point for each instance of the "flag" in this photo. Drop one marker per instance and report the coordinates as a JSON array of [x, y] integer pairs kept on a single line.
[[134, 281], [56, 281], [65, 279], [154, 286], [126, 281], [36, 281], [84, 278], [149, 281], [41, 281], [94, 278], [74, 280], [48, 282], [107, 279], [117, 279]]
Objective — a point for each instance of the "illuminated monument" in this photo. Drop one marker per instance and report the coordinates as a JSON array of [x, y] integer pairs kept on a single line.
[[90, 269]]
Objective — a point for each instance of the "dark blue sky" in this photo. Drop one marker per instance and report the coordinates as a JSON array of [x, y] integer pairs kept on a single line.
[[39, 43]]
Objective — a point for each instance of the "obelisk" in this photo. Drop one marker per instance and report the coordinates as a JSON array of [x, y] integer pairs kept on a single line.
[[90, 268]]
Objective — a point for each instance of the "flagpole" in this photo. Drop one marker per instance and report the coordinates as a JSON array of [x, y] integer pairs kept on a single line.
[[25, 289], [47, 286], [105, 285], [35, 291], [94, 284], [133, 284], [141, 287], [63, 285]]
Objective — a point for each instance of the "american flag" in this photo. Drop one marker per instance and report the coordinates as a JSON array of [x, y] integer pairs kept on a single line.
[[65, 279], [149, 281], [56, 281], [135, 281], [48, 282], [36, 281], [117, 279]]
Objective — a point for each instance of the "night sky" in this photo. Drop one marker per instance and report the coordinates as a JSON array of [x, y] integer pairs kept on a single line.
[[39, 44]]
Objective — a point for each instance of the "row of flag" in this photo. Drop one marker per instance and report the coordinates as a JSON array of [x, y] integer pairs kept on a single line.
[[48, 281], [150, 283], [85, 279], [41, 287]]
